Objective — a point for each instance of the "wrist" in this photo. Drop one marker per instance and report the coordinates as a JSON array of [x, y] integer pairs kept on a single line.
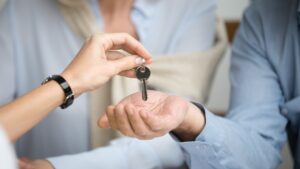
[[192, 124], [65, 86], [74, 85]]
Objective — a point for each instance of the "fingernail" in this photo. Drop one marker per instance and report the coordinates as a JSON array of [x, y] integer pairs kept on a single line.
[[139, 61]]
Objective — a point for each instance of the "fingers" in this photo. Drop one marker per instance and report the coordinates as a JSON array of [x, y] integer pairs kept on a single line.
[[122, 41], [122, 120], [154, 122], [140, 129], [115, 54], [146, 120], [127, 63], [128, 73], [103, 122], [117, 119], [111, 117], [128, 121], [124, 62]]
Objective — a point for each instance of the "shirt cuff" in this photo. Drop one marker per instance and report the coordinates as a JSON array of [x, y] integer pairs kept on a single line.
[[210, 130]]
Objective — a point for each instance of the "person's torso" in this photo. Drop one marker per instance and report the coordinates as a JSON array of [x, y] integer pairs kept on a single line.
[[282, 47]]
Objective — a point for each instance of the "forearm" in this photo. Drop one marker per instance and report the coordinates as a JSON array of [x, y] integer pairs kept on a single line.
[[21, 115], [227, 143]]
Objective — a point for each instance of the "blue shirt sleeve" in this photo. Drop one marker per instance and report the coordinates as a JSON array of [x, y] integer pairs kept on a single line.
[[253, 133]]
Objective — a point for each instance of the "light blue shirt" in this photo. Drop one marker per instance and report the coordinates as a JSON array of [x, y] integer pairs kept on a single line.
[[35, 42], [265, 94]]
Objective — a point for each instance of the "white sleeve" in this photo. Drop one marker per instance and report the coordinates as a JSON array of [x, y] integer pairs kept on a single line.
[[7, 155], [127, 153]]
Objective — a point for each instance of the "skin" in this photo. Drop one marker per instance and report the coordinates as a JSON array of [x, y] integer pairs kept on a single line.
[[157, 116], [34, 164], [116, 16], [92, 67]]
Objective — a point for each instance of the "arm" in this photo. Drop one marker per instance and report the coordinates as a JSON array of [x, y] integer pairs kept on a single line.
[[20, 115], [90, 69], [250, 137]]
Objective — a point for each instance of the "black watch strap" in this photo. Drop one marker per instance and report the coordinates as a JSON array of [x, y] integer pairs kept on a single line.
[[69, 96], [200, 106]]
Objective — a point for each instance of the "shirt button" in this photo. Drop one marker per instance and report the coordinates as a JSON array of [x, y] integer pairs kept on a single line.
[[284, 111]]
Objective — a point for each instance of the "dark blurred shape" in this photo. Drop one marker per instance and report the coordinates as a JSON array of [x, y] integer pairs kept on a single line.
[[231, 27]]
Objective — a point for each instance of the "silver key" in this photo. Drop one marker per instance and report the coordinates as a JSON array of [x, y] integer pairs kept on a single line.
[[143, 73]]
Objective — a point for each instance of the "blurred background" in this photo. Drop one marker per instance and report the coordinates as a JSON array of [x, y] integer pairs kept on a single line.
[[231, 11]]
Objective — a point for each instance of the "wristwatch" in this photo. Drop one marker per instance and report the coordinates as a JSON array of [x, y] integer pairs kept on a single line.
[[69, 96]]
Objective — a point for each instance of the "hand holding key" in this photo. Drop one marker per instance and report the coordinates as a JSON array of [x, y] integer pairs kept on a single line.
[[159, 115], [94, 64]]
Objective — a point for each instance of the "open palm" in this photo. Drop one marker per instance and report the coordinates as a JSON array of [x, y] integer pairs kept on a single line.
[[157, 116]]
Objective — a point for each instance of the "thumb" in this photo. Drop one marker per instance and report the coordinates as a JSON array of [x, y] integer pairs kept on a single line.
[[103, 122], [128, 62]]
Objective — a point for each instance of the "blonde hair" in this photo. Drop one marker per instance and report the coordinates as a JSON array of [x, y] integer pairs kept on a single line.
[[78, 15], [2, 2]]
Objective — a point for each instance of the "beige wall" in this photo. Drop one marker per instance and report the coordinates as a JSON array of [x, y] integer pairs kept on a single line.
[[228, 10]]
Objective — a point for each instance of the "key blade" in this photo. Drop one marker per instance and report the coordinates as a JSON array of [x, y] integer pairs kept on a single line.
[[144, 90]]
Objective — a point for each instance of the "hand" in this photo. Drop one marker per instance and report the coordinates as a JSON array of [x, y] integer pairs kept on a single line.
[[34, 164], [155, 117], [92, 67]]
